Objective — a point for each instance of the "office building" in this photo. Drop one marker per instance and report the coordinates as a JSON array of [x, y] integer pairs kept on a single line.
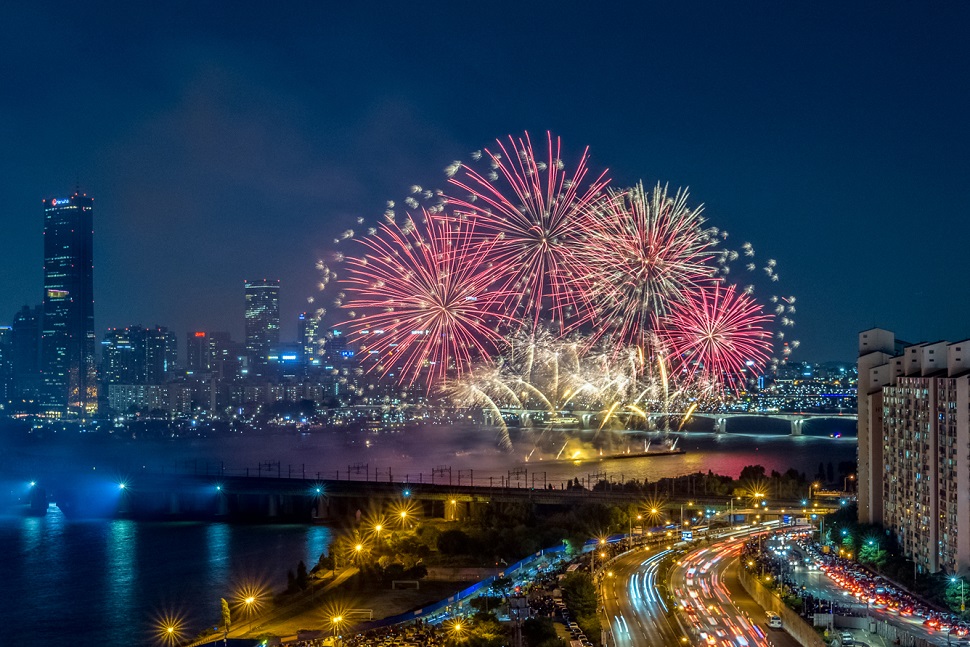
[[67, 334], [914, 431], [25, 353], [228, 356], [262, 322], [6, 366], [161, 355], [198, 352], [136, 355], [308, 327]]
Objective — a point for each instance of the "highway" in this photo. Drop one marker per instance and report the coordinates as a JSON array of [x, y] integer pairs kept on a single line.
[[717, 611], [633, 608]]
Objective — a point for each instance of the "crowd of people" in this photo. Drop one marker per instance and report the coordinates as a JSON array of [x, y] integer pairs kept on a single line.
[[535, 585]]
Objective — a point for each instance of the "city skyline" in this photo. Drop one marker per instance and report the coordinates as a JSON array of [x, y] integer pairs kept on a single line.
[[211, 166]]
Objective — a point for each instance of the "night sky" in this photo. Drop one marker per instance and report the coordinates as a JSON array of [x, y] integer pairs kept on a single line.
[[225, 141]]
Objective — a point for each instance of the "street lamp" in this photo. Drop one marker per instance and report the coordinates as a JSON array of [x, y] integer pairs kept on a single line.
[[845, 482], [457, 628], [963, 604], [169, 630], [335, 622], [249, 601], [814, 486]]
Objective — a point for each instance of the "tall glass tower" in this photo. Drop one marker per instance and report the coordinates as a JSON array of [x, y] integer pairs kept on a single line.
[[69, 374], [262, 322]]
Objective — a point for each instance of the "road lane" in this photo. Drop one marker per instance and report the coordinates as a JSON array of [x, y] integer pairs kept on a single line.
[[715, 606], [634, 614]]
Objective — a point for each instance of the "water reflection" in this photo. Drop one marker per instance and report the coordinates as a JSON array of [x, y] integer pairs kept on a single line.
[[318, 539], [120, 576], [218, 544]]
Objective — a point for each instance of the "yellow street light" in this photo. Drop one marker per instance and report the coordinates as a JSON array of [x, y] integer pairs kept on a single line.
[[335, 623]]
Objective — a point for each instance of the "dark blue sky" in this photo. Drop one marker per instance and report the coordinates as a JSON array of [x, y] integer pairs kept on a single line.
[[231, 140]]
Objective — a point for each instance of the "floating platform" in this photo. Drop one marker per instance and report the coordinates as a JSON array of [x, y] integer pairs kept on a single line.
[[614, 457], [659, 452]]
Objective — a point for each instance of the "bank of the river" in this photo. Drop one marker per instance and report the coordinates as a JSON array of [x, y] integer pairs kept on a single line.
[[108, 580]]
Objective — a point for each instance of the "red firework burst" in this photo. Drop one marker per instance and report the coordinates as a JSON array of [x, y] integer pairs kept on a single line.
[[531, 208], [426, 298], [645, 251], [718, 335]]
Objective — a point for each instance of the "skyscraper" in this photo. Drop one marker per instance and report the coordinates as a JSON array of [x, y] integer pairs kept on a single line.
[[161, 354], [136, 355], [262, 321], [6, 366], [25, 353], [198, 352], [67, 338], [309, 330]]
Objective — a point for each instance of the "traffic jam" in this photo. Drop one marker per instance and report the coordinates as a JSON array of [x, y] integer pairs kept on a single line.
[[711, 616], [863, 591]]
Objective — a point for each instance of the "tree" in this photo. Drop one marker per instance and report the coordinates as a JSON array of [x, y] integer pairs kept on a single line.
[[454, 542], [752, 473], [956, 595], [579, 593], [225, 616], [327, 562], [539, 631], [301, 578]]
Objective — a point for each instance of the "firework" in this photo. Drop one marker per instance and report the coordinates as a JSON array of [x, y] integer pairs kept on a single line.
[[531, 207], [645, 251], [422, 300], [530, 285], [718, 335]]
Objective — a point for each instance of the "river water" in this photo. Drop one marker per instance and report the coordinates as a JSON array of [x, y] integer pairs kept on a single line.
[[104, 582]]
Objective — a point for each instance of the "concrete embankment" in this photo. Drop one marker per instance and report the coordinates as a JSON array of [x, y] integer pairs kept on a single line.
[[800, 630]]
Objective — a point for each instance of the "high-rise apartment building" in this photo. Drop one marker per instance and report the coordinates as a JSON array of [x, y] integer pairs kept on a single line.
[[914, 435], [262, 321], [67, 338]]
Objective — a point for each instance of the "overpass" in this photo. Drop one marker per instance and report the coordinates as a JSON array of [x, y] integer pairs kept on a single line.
[[281, 498], [591, 419]]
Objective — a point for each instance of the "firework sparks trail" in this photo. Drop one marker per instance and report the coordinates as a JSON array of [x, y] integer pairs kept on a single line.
[[645, 251], [533, 211], [718, 335], [423, 295]]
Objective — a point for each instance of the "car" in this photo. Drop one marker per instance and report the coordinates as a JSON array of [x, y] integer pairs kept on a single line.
[[846, 638]]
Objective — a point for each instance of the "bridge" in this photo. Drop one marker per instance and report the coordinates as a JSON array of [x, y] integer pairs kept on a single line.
[[280, 498], [591, 419]]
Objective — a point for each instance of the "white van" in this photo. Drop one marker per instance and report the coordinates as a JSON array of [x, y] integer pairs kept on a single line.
[[774, 622]]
